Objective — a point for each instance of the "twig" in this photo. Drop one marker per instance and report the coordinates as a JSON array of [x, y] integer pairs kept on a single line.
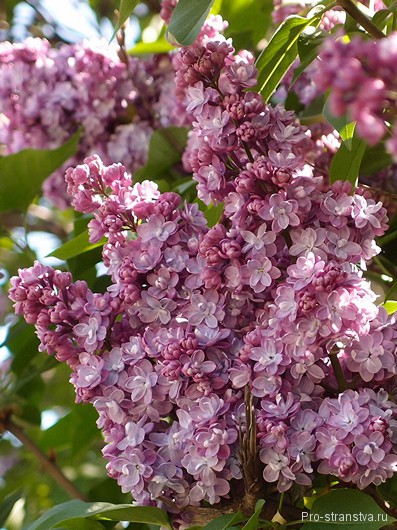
[[382, 503], [47, 464], [333, 356], [359, 17]]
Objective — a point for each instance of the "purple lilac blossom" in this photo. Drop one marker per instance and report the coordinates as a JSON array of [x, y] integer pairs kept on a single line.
[[194, 314]]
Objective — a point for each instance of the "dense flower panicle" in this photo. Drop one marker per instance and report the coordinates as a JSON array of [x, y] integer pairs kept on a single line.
[[47, 93], [361, 76], [196, 316], [167, 8], [229, 122], [331, 18], [285, 8]]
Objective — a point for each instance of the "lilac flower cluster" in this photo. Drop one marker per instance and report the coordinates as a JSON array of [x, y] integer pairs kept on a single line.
[[331, 18], [361, 76], [47, 93], [284, 8], [271, 301]]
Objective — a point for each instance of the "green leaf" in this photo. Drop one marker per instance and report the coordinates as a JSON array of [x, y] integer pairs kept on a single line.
[[165, 150], [313, 112], [308, 49], [380, 18], [213, 213], [248, 20], [346, 163], [389, 294], [342, 124], [346, 509], [184, 185], [22, 174], [390, 236], [81, 524], [375, 159], [225, 521], [252, 523], [30, 413], [7, 505], [76, 430], [76, 509], [280, 53], [24, 344], [125, 11], [187, 20], [390, 306], [145, 48], [76, 246], [388, 490]]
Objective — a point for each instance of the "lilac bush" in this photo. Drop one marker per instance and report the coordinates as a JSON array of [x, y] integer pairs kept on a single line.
[[269, 305]]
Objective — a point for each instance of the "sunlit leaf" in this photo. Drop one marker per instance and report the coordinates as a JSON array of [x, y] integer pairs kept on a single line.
[[76, 246], [280, 53], [390, 306], [342, 124], [125, 11], [144, 48], [346, 163]]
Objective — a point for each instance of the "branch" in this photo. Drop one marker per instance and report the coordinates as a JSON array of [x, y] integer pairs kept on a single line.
[[250, 464], [359, 17], [382, 503], [48, 465]]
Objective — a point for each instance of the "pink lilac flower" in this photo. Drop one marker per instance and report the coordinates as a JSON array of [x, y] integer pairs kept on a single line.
[[195, 318]]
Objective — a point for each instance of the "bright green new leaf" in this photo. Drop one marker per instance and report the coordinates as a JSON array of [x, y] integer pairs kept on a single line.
[[187, 20], [346, 163], [125, 11], [390, 306], [252, 523], [22, 174], [76, 246], [144, 48], [347, 509], [342, 124], [76, 509], [280, 53]]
